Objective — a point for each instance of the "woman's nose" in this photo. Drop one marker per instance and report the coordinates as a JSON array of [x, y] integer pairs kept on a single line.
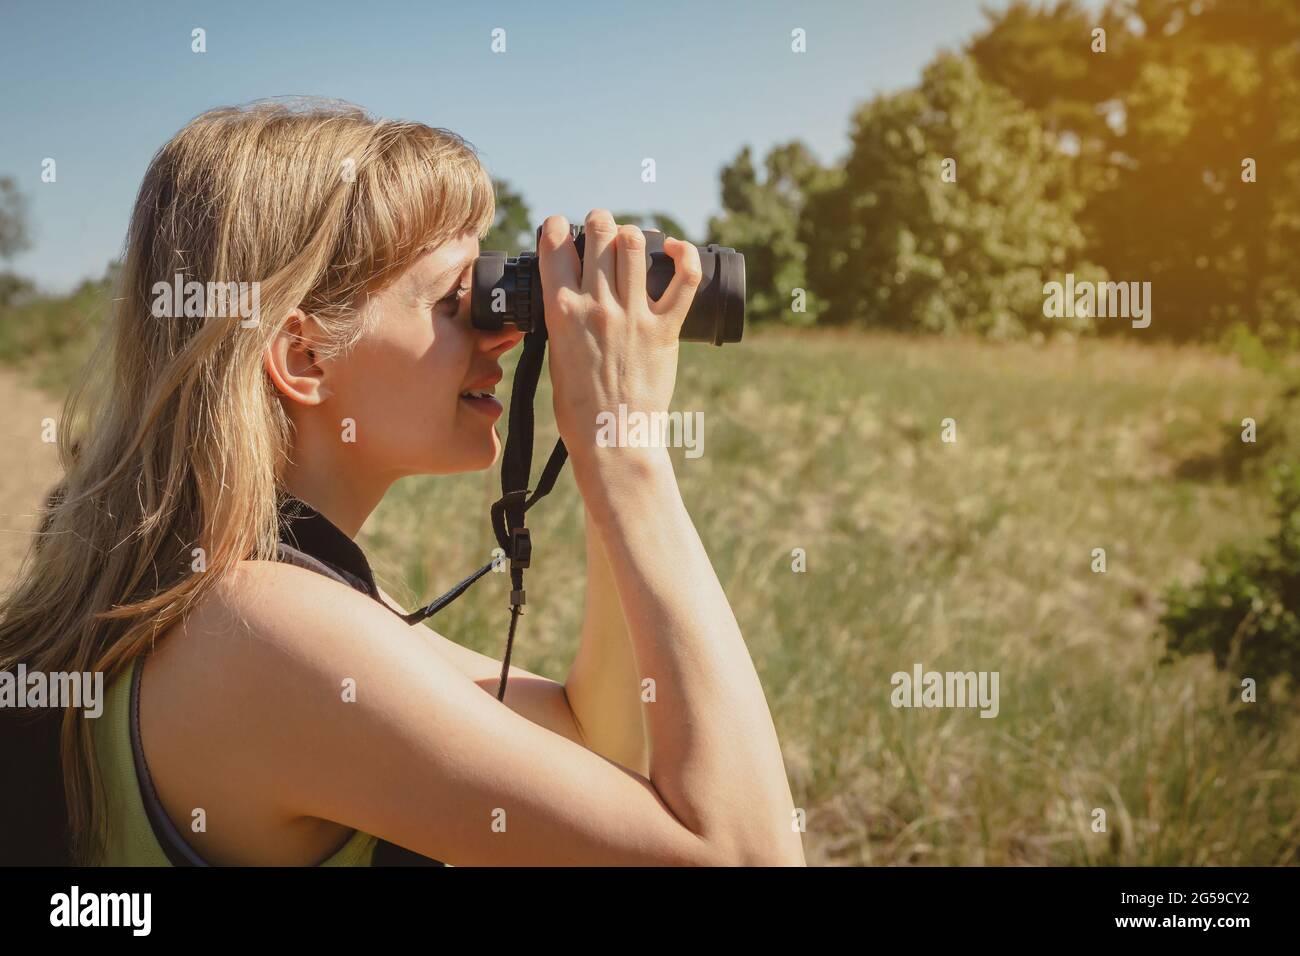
[[500, 341]]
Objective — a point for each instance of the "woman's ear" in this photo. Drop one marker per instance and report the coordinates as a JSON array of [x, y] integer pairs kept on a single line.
[[292, 360]]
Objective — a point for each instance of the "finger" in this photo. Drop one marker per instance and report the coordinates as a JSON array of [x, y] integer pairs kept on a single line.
[[558, 263], [686, 279], [598, 265], [557, 257], [631, 264]]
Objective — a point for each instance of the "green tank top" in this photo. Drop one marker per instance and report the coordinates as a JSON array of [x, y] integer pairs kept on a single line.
[[131, 837]]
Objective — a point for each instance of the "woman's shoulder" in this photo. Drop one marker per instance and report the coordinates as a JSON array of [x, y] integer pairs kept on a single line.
[[279, 605], [267, 632], [250, 684]]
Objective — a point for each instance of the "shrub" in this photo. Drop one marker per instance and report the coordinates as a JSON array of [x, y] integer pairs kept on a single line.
[[1246, 609]]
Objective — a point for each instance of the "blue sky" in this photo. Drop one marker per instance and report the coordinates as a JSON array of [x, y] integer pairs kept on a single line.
[[583, 93]]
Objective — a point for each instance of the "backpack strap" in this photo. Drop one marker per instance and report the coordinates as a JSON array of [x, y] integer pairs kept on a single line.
[[288, 554]]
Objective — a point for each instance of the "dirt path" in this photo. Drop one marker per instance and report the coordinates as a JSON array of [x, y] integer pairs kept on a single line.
[[31, 466]]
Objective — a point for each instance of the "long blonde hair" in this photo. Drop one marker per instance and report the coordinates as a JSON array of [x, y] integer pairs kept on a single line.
[[180, 442]]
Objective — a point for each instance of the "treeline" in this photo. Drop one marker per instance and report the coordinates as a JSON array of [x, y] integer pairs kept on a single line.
[[1156, 141]]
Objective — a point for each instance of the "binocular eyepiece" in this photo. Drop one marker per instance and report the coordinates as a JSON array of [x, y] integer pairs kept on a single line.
[[507, 291]]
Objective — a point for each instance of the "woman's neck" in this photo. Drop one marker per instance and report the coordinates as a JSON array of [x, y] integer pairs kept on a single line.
[[346, 512], [338, 492]]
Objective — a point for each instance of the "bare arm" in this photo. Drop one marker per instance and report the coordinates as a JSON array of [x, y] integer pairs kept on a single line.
[[599, 703], [715, 757], [537, 698], [717, 760], [603, 686]]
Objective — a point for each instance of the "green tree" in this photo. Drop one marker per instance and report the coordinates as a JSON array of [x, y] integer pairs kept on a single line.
[[1044, 56], [955, 207], [512, 229], [763, 220], [1186, 91]]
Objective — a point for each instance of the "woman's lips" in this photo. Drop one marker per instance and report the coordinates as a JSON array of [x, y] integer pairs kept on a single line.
[[485, 404]]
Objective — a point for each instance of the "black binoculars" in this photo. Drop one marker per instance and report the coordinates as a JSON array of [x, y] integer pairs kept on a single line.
[[507, 291]]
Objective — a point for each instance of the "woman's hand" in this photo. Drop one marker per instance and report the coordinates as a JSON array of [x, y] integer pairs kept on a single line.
[[610, 344]]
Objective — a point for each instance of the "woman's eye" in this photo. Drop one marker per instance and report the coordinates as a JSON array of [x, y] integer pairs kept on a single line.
[[452, 302]]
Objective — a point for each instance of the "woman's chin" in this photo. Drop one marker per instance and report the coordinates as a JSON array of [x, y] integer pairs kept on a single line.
[[482, 457], [476, 451]]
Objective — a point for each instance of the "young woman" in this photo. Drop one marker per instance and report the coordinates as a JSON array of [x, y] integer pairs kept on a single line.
[[276, 712]]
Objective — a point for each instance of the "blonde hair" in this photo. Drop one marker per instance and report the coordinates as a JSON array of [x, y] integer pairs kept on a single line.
[[183, 446]]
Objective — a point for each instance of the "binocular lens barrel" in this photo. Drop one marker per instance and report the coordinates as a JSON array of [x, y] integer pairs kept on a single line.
[[507, 291]]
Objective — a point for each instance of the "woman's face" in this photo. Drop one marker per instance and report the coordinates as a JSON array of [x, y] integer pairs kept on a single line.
[[404, 382]]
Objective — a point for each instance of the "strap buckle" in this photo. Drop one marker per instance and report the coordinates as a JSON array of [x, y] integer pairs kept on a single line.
[[521, 548]]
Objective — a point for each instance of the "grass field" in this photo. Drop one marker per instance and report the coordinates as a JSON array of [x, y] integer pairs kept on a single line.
[[971, 555]]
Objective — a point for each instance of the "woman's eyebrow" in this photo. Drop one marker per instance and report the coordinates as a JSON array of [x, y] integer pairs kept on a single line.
[[456, 270]]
